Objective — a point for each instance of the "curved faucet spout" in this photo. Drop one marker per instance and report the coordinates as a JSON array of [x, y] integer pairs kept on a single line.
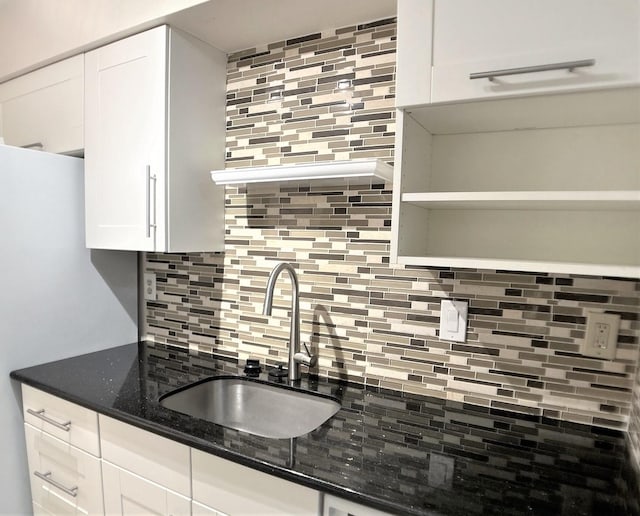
[[294, 336]]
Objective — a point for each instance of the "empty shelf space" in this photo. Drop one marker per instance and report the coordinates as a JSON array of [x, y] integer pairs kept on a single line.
[[553, 236], [586, 108]]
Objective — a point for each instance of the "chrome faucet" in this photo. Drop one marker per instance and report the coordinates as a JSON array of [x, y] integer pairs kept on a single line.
[[296, 357]]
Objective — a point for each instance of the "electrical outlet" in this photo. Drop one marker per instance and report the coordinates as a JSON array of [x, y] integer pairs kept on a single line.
[[453, 320], [441, 471], [150, 293], [602, 335]]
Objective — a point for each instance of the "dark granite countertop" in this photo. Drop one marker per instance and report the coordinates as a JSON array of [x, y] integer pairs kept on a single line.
[[402, 453]]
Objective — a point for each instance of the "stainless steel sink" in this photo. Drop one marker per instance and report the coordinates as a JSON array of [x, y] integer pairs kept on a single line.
[[252, 406]]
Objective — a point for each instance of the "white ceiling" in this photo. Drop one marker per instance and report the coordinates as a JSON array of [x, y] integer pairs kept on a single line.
[[34, 33], [232, 25]]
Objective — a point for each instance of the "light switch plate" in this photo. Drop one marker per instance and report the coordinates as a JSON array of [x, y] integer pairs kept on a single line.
[[453, 320]]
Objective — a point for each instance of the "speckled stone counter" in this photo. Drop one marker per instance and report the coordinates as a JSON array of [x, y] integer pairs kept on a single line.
[[397, 452]]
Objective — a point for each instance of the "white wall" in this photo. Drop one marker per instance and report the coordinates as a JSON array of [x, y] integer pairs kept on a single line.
[[48, 30]]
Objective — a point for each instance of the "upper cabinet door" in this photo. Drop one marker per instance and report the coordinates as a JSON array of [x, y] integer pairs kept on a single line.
[[43, 109], [125, 142], [154, 128], [414, 42], [595, 43]]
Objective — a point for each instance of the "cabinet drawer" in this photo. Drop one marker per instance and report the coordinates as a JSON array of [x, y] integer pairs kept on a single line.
[[67, 421], [234, 489], [473, 37], [72, 480], [128, 494], [146, 454]]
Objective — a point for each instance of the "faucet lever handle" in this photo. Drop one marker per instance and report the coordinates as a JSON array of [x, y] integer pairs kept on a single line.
[[306, 358]]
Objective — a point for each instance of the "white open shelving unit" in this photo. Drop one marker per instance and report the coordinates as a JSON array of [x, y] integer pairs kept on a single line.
[[547, 183]]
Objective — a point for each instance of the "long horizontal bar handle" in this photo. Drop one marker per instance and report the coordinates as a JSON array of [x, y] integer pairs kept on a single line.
[[567, 65], [40, 415], [72, 491]]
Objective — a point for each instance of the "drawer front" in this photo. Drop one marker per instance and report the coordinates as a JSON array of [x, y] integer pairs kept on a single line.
[[230, 488], [64, 479], [146, 454], [475, 37], [67, 421], [453, 82], [129, 494]]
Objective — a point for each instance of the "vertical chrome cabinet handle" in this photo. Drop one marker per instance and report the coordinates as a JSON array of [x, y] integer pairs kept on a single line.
[[568, 65], [150, 178], [72, 491], [40, 415]]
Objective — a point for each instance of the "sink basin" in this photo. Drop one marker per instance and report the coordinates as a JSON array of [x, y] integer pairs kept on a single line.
[[253, 406]]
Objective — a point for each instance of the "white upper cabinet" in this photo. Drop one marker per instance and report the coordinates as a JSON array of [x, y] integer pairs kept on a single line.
[[414, 47], [593, 44], [506, 156], [451, 50], [43, 109], [154, 127]]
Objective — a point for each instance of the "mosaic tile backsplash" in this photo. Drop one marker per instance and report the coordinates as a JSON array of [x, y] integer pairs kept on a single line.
[[330, 96], [634, 429]]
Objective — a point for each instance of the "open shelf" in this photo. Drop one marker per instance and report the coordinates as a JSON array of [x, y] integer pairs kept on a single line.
[[569, 200], [620, 271], [562, 199], [573, 109], [334, 172]]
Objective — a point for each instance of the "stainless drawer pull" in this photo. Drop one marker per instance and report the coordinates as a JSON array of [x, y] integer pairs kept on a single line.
[[568, 65], [40, 415], [72, 491]]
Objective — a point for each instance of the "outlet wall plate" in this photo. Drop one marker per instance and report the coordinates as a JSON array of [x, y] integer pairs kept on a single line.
[[602, 335], [453, 320], [441, 471], [150, 293]]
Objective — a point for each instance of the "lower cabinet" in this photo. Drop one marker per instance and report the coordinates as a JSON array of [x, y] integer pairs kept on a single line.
[[238, 490], [64, 479], [334, 506], [154, 458], [125, 470], [127, 494], [197, 509]]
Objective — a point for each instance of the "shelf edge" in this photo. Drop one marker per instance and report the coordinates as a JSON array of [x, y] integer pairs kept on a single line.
[[622, 271], [368, 170]]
